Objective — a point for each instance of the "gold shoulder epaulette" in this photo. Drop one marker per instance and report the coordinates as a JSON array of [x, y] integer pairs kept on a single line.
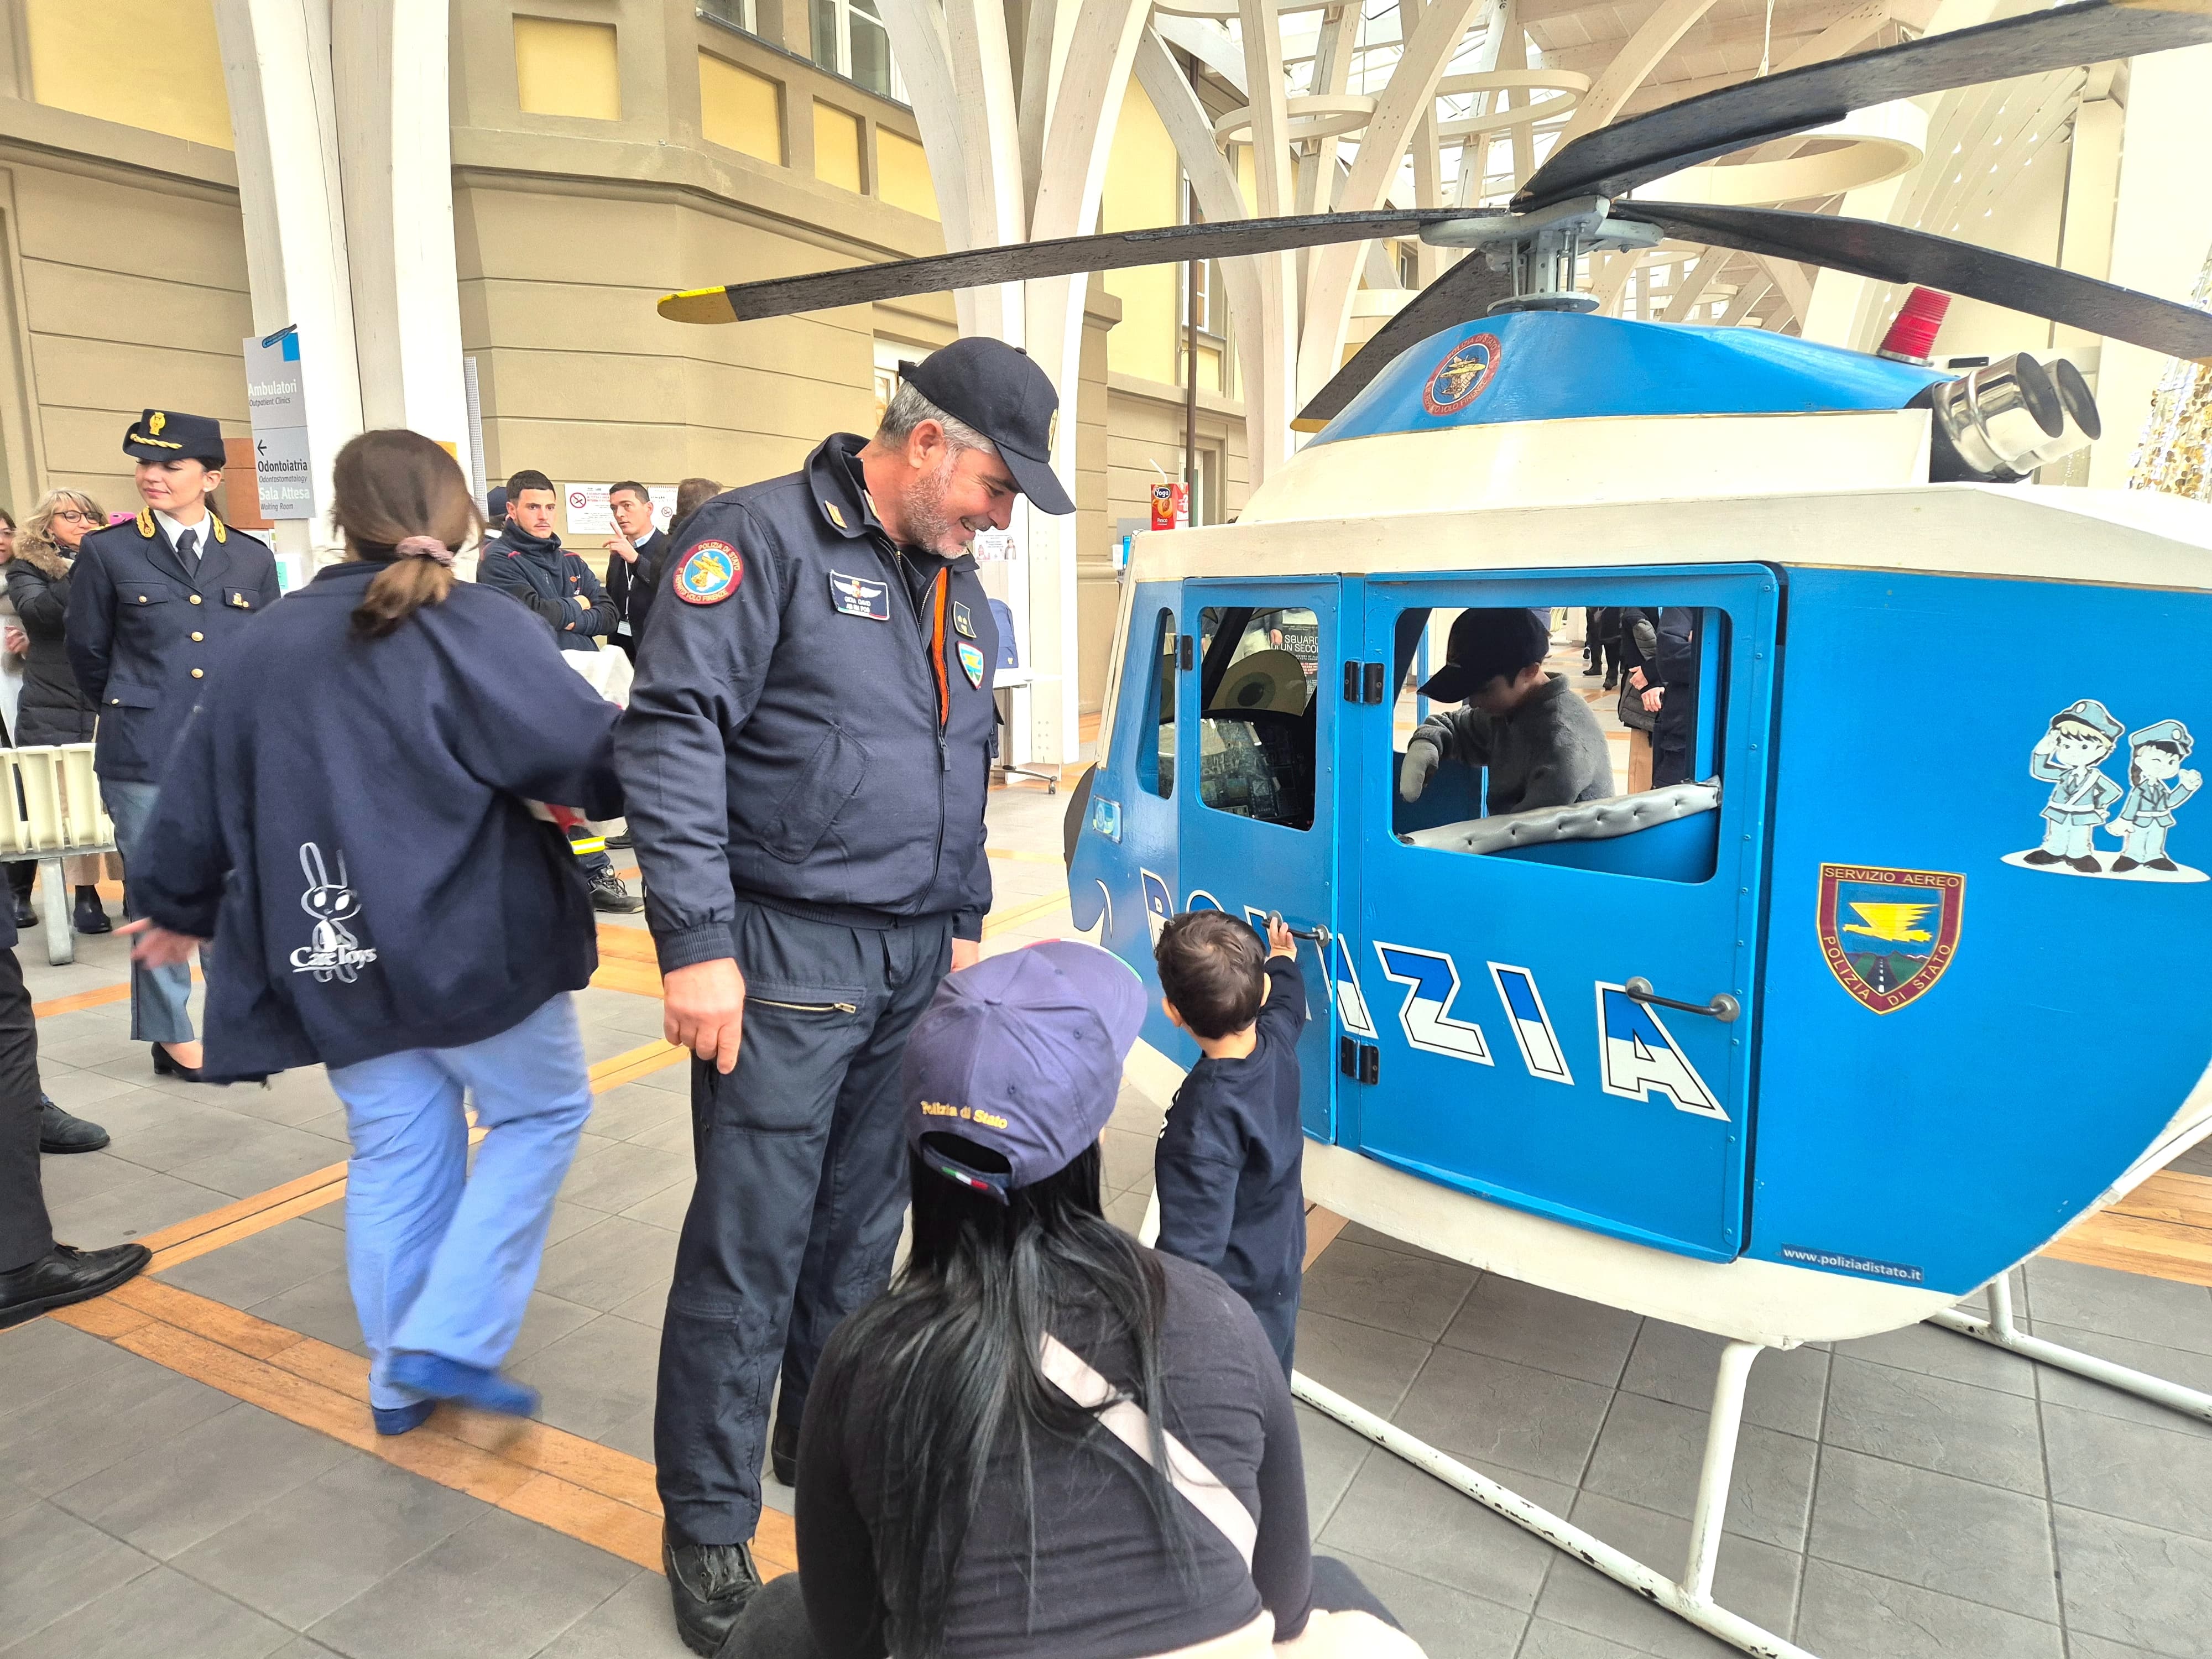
[[221, 534]]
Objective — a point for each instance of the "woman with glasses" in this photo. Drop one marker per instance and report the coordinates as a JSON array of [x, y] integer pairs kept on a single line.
[[51, 709]]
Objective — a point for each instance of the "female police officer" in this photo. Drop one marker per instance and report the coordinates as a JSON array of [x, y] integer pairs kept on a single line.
[[347, 816], [807, 756]]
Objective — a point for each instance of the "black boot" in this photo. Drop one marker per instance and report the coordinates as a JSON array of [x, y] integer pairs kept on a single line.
[[2123, 862], [90, 915], [64, 1275], [608, 892], [710, 1584], [2161, 862], [2039, 856], [60, 1132], [2087, 866], [783, 1450]]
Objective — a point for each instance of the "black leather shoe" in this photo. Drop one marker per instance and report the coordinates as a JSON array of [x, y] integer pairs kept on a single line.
[[167, 1065], [608, 893], [710, 1584], [90, 916], [783, 1450], [25, 915], [624, 840], [60, 1132], [64, 1275]]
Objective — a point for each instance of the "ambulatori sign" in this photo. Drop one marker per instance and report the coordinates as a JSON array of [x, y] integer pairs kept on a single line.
[[284, 466]]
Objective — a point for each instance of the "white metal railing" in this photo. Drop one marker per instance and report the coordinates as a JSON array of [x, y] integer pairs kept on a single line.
[[58, 815]]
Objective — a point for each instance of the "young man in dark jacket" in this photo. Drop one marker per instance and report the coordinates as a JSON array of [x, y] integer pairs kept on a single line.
[[633, 560], [526, 561]]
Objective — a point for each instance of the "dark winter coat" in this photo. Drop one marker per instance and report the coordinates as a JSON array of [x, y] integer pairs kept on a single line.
[[551, 582], [52, 708]]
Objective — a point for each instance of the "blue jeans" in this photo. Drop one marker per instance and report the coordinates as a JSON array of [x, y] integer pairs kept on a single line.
[[160, 997], [442, 1261]]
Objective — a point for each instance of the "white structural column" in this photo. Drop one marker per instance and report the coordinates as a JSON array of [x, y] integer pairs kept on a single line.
[[1270, 378], [278, 71], [2160, 229], [397, 171]]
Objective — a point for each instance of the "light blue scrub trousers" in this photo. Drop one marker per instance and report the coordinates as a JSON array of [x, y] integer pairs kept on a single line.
[[441, 1260], [159, 996]]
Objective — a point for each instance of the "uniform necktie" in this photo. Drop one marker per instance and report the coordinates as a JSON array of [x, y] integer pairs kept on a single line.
[[188, 550]]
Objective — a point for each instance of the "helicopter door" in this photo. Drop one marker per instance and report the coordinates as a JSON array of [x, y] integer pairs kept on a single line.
[[1257, 832], [1564, 995]]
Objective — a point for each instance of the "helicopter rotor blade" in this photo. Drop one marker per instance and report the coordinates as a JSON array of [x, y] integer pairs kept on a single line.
[[1893, 253], [1613, 160], [1468, 290], [1017, 262]]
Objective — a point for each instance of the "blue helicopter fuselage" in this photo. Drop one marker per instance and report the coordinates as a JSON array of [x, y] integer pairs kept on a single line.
[[1934, 836]]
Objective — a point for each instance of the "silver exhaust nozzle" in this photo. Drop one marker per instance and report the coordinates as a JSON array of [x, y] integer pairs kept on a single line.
[[2083, 425], [2000, 418]]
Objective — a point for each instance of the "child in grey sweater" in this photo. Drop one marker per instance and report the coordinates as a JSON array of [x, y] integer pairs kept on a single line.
[[1540, 741]]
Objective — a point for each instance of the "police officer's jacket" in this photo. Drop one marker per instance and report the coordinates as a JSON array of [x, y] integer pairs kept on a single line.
[[142, 631], [546, 576], [808, 729], [348, 819]]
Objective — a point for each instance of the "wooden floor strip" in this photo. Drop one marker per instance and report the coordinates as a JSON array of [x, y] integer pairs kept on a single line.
[[604, 1497], [2163, 1230]]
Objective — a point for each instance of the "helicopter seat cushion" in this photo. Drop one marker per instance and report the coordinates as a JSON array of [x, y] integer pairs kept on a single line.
[[1588, 820]]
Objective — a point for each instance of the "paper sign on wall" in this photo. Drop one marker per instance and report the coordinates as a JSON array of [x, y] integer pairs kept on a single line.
[[589, 513]]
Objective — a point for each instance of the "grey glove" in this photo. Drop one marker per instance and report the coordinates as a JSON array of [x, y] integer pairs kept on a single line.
[[1422, 756]]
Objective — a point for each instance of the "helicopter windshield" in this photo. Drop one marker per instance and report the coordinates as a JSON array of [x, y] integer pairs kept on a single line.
[[1256, 747]]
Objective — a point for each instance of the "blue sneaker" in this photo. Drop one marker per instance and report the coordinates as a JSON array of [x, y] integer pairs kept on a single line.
[[398, 1419], [437, 1377]]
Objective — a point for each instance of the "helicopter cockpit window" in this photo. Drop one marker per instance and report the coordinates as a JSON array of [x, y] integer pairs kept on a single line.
[[1156, 751], [1506, 764], [1255, 743]]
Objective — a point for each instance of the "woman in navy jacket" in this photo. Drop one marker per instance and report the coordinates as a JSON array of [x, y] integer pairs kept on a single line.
[[347, 816]]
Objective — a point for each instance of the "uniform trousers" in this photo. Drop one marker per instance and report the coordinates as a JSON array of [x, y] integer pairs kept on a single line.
[[160, 997], [801, 1154], [441, 1260], [26, 1233]]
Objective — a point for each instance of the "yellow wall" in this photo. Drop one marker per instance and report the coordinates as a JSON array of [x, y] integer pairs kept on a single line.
[[902, 174], [836, 147], [562, 68], [738, 109], [1143, 190], [150, 64]]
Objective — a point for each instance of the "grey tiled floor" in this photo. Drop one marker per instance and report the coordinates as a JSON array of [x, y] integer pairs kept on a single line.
[[1909, 1495]]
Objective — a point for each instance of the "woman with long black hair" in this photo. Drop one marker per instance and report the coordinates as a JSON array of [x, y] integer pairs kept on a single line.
[[1045, 1438]]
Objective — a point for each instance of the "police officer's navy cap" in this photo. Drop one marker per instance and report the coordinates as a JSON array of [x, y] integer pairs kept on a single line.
[[1015, 1067], [996, 389], [1484, 644], [162, 435]]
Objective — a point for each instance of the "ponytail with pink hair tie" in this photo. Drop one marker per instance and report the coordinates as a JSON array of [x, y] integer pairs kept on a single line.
[[423, 547]]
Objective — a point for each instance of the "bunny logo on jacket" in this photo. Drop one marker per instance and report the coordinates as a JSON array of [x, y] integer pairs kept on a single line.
[[335, 952]]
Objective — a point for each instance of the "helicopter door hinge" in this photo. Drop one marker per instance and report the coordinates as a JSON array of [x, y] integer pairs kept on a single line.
[[1363, 682], [1187, 653], [1360, 1061]]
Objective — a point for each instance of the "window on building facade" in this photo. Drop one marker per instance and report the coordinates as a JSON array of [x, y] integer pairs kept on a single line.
[[850, 39], [737, 14]]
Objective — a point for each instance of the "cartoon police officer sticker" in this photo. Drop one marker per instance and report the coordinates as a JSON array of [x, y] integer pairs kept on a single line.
[[710, 573], [2070, 756]]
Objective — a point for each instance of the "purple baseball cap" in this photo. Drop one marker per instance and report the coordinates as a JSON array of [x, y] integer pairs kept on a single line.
[[1020, 1057]]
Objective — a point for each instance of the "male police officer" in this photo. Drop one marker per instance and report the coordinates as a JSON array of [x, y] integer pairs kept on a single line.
[[151, 602], [806, 758]]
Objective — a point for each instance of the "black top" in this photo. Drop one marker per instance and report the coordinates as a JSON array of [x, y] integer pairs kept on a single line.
[[52, 708], [554, 583], [1104, 1585], [347, 819], [1227, 1168], [630, 587], [798, 733], [140, 623]]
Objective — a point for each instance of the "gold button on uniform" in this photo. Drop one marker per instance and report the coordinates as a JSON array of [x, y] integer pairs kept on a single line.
[[197, 638], [141, 599], [196, 599], [199, 673]]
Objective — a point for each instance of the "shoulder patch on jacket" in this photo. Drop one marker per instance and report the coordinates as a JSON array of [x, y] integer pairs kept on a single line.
[[710, 573]]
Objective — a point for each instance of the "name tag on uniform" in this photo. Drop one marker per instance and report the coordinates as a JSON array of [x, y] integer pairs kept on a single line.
[[962, 622], [858, 596]]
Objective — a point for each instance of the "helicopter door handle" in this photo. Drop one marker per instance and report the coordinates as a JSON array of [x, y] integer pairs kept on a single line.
[[1318, 933], [1724, 1007]]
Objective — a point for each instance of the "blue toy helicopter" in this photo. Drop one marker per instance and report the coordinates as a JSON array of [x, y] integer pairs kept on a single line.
[[1816, 1035]]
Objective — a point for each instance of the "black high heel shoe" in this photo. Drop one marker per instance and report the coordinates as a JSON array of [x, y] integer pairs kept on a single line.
[[167, 1065]]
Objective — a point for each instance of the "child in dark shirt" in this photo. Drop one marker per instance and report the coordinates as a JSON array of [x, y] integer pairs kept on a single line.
[[1227, 1170]]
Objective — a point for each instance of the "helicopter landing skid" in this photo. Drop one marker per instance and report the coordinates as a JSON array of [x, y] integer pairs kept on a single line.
[[1999, 1331], [1690, 1597]]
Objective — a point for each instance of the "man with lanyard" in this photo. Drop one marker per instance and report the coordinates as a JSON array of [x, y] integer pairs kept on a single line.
[[150, 603], [633, 562], [806, 758]]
